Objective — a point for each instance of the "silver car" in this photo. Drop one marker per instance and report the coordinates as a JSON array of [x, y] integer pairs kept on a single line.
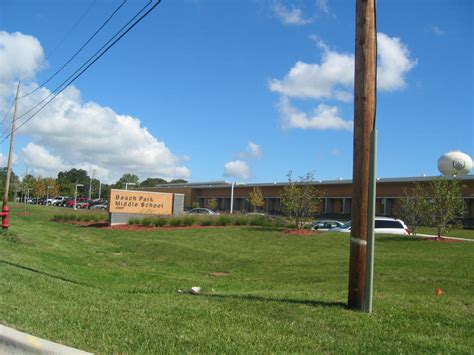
[[326, 225]]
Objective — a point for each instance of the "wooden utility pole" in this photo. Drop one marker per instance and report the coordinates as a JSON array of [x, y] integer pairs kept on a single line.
[[364, 116], [5, 209]]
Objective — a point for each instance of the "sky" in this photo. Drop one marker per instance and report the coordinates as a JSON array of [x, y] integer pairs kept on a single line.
[[243, 91]]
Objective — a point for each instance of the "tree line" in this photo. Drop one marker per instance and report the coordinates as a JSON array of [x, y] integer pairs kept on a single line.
[[65, 184]]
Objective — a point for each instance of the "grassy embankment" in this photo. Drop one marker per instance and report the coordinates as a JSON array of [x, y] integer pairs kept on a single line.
[[115, 291]]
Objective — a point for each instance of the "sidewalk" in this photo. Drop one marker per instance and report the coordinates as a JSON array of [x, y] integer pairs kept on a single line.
[[14, 342], [435, 236]]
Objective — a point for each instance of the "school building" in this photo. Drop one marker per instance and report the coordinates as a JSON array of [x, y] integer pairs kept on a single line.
[[335, 195]]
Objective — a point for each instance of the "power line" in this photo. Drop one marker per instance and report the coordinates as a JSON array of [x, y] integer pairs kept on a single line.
[[83, 65], [77, 52], [7, 113], [89, 65], [71, 30]]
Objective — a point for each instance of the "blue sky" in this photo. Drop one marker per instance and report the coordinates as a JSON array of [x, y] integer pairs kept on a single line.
[[237, 90]]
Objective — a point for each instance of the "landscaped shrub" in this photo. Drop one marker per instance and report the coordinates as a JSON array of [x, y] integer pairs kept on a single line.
[[222, 220], [239, 221], [133, 221], [205, 221], [188, 220], [146, 222], [159, 221], [58, 218], [279, 222], [257, 221], [85, 217], [175, 221]]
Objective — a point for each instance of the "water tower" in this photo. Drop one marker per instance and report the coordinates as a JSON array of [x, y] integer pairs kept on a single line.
[[455, 163]]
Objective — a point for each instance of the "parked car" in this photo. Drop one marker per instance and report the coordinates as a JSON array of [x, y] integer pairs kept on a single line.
[[204, 211], [82, 204], [100, 206], [97, 202], [326, 225], [41, 201], [57, 201], [70, 203], [383, 225]]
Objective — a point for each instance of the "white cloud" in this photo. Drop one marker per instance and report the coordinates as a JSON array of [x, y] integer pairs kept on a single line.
[[3, 160], [290, 16], [253, 151], [21, 56], [41, 161], [335, 152], [237, 169], [437, 31], [394, 62], [71, 133], [324, 117], [333, 78], [323, 6]]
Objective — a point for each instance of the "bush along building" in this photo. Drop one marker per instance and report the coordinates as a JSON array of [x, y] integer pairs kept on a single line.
[[335, 195]]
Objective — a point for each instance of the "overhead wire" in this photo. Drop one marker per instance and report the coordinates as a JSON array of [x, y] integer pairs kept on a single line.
[[85, 63], [7, 113], [90, 64], [71, 30], [77, 52]]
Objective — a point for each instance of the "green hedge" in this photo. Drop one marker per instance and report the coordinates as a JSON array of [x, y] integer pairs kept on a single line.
[[80, 217], [221, 220]]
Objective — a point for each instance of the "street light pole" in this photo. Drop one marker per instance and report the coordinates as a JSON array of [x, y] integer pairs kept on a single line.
[[129, 184], [47, 194], [232, 197], [75, 195]]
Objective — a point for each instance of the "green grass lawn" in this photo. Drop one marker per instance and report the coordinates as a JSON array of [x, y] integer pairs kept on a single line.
[[116, 291]]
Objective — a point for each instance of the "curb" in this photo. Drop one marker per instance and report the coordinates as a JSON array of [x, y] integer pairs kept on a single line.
[[14, 342]]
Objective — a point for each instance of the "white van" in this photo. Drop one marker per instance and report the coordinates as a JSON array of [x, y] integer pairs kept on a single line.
[[383, 225]]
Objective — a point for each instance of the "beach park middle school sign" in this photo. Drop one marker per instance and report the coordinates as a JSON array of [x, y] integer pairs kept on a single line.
[[126, 204]]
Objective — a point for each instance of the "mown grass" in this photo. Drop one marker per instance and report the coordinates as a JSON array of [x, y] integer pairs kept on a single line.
[[112, 291]]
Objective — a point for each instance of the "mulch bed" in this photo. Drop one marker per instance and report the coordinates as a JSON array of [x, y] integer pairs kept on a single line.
[[300, 232]]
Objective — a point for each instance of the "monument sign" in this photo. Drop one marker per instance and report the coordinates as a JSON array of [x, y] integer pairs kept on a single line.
[[126, 204]]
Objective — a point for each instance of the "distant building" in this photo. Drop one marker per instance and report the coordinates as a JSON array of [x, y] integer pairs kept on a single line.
[[336, 201]]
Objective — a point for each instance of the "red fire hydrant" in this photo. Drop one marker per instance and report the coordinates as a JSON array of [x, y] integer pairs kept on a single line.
[[4, 215]]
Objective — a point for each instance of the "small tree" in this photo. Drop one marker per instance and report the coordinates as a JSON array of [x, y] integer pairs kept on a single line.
[[126, 178], [212, 203], [39, 188], [413, 207], [300, 199], [256, 198], [446, 205], [195, 204]]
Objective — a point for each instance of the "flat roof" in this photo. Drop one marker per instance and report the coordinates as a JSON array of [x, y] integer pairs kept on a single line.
[[226, 184]]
